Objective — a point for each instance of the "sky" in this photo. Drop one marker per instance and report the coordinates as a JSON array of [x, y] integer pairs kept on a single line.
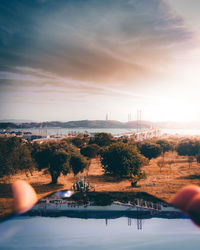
[[75, 60]]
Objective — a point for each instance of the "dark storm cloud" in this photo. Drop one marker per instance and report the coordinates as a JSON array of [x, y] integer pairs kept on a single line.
[[99, 41]]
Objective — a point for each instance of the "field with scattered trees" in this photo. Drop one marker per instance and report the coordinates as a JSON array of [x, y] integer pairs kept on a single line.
[[157, 166]]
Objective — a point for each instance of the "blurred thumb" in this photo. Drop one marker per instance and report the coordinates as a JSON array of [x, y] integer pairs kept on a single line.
[[24, 196]]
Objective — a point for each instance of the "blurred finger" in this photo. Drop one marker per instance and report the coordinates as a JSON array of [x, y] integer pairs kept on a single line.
[[185, 197], [194, 209], [188, 200], [24, 196]]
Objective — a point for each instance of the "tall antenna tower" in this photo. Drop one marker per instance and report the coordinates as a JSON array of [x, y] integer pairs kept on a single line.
[[107, 117]]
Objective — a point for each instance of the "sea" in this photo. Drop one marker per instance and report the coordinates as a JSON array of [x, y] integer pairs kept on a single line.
[[113, 131]]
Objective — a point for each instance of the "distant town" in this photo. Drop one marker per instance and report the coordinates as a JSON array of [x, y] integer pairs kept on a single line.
[[139, 130]]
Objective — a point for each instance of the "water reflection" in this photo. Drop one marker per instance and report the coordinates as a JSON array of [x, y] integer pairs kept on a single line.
[[105, 206], [67, 220]]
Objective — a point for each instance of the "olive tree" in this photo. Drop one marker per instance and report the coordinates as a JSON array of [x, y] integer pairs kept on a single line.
[[189, 148], [101, 139], [90, 151], [78, 163], [53, 157], [165, 146], [15, 156], [78, 142], [150, 150], [121, 159]]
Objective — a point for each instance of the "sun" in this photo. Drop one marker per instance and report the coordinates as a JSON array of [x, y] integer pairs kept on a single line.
[[177, 110]]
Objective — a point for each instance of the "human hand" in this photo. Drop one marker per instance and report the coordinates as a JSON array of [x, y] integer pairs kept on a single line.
[[188, 200], [24, 196]]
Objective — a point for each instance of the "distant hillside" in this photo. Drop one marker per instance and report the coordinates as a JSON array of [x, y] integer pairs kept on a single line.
[[99, 124], [14, 121], [77, 124]]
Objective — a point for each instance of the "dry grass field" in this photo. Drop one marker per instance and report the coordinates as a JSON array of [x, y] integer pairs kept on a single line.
[[163, 184]]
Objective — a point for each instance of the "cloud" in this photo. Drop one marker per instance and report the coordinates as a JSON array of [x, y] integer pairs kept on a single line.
[[81, 59], [108, 42]]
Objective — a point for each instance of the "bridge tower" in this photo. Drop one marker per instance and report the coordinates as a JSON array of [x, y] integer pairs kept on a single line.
[[139, 120]]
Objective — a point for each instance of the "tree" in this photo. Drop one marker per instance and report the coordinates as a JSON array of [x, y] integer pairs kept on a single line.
[[59, 163], [190, 148], [150, 150], [90, 151], [121, 159], [198, 158], [53, 157], [166, 146], [15, 156], [78, 142], [78, 163], [101, 139]]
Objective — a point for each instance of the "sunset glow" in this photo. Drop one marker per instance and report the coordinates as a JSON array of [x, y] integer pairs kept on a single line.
[[74, 60]]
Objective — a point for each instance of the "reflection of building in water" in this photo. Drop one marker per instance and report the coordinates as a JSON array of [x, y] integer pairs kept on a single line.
[[138, 209], [139, 224], [106, 221], [138, 221], [138, 205], [129, 221], [135, 205]]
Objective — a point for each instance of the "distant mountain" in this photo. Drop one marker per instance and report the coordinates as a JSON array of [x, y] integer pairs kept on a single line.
[[15, 121], [100, 124], [77, 124]]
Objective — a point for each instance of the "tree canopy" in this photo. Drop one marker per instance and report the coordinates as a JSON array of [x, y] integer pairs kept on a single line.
[[101, 139], [78, 163], [188, 148], [198, 158], [53, 156], [15, 156], [165, 145], [150, 150], [121, 159], [90, 151], [78, 142]]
